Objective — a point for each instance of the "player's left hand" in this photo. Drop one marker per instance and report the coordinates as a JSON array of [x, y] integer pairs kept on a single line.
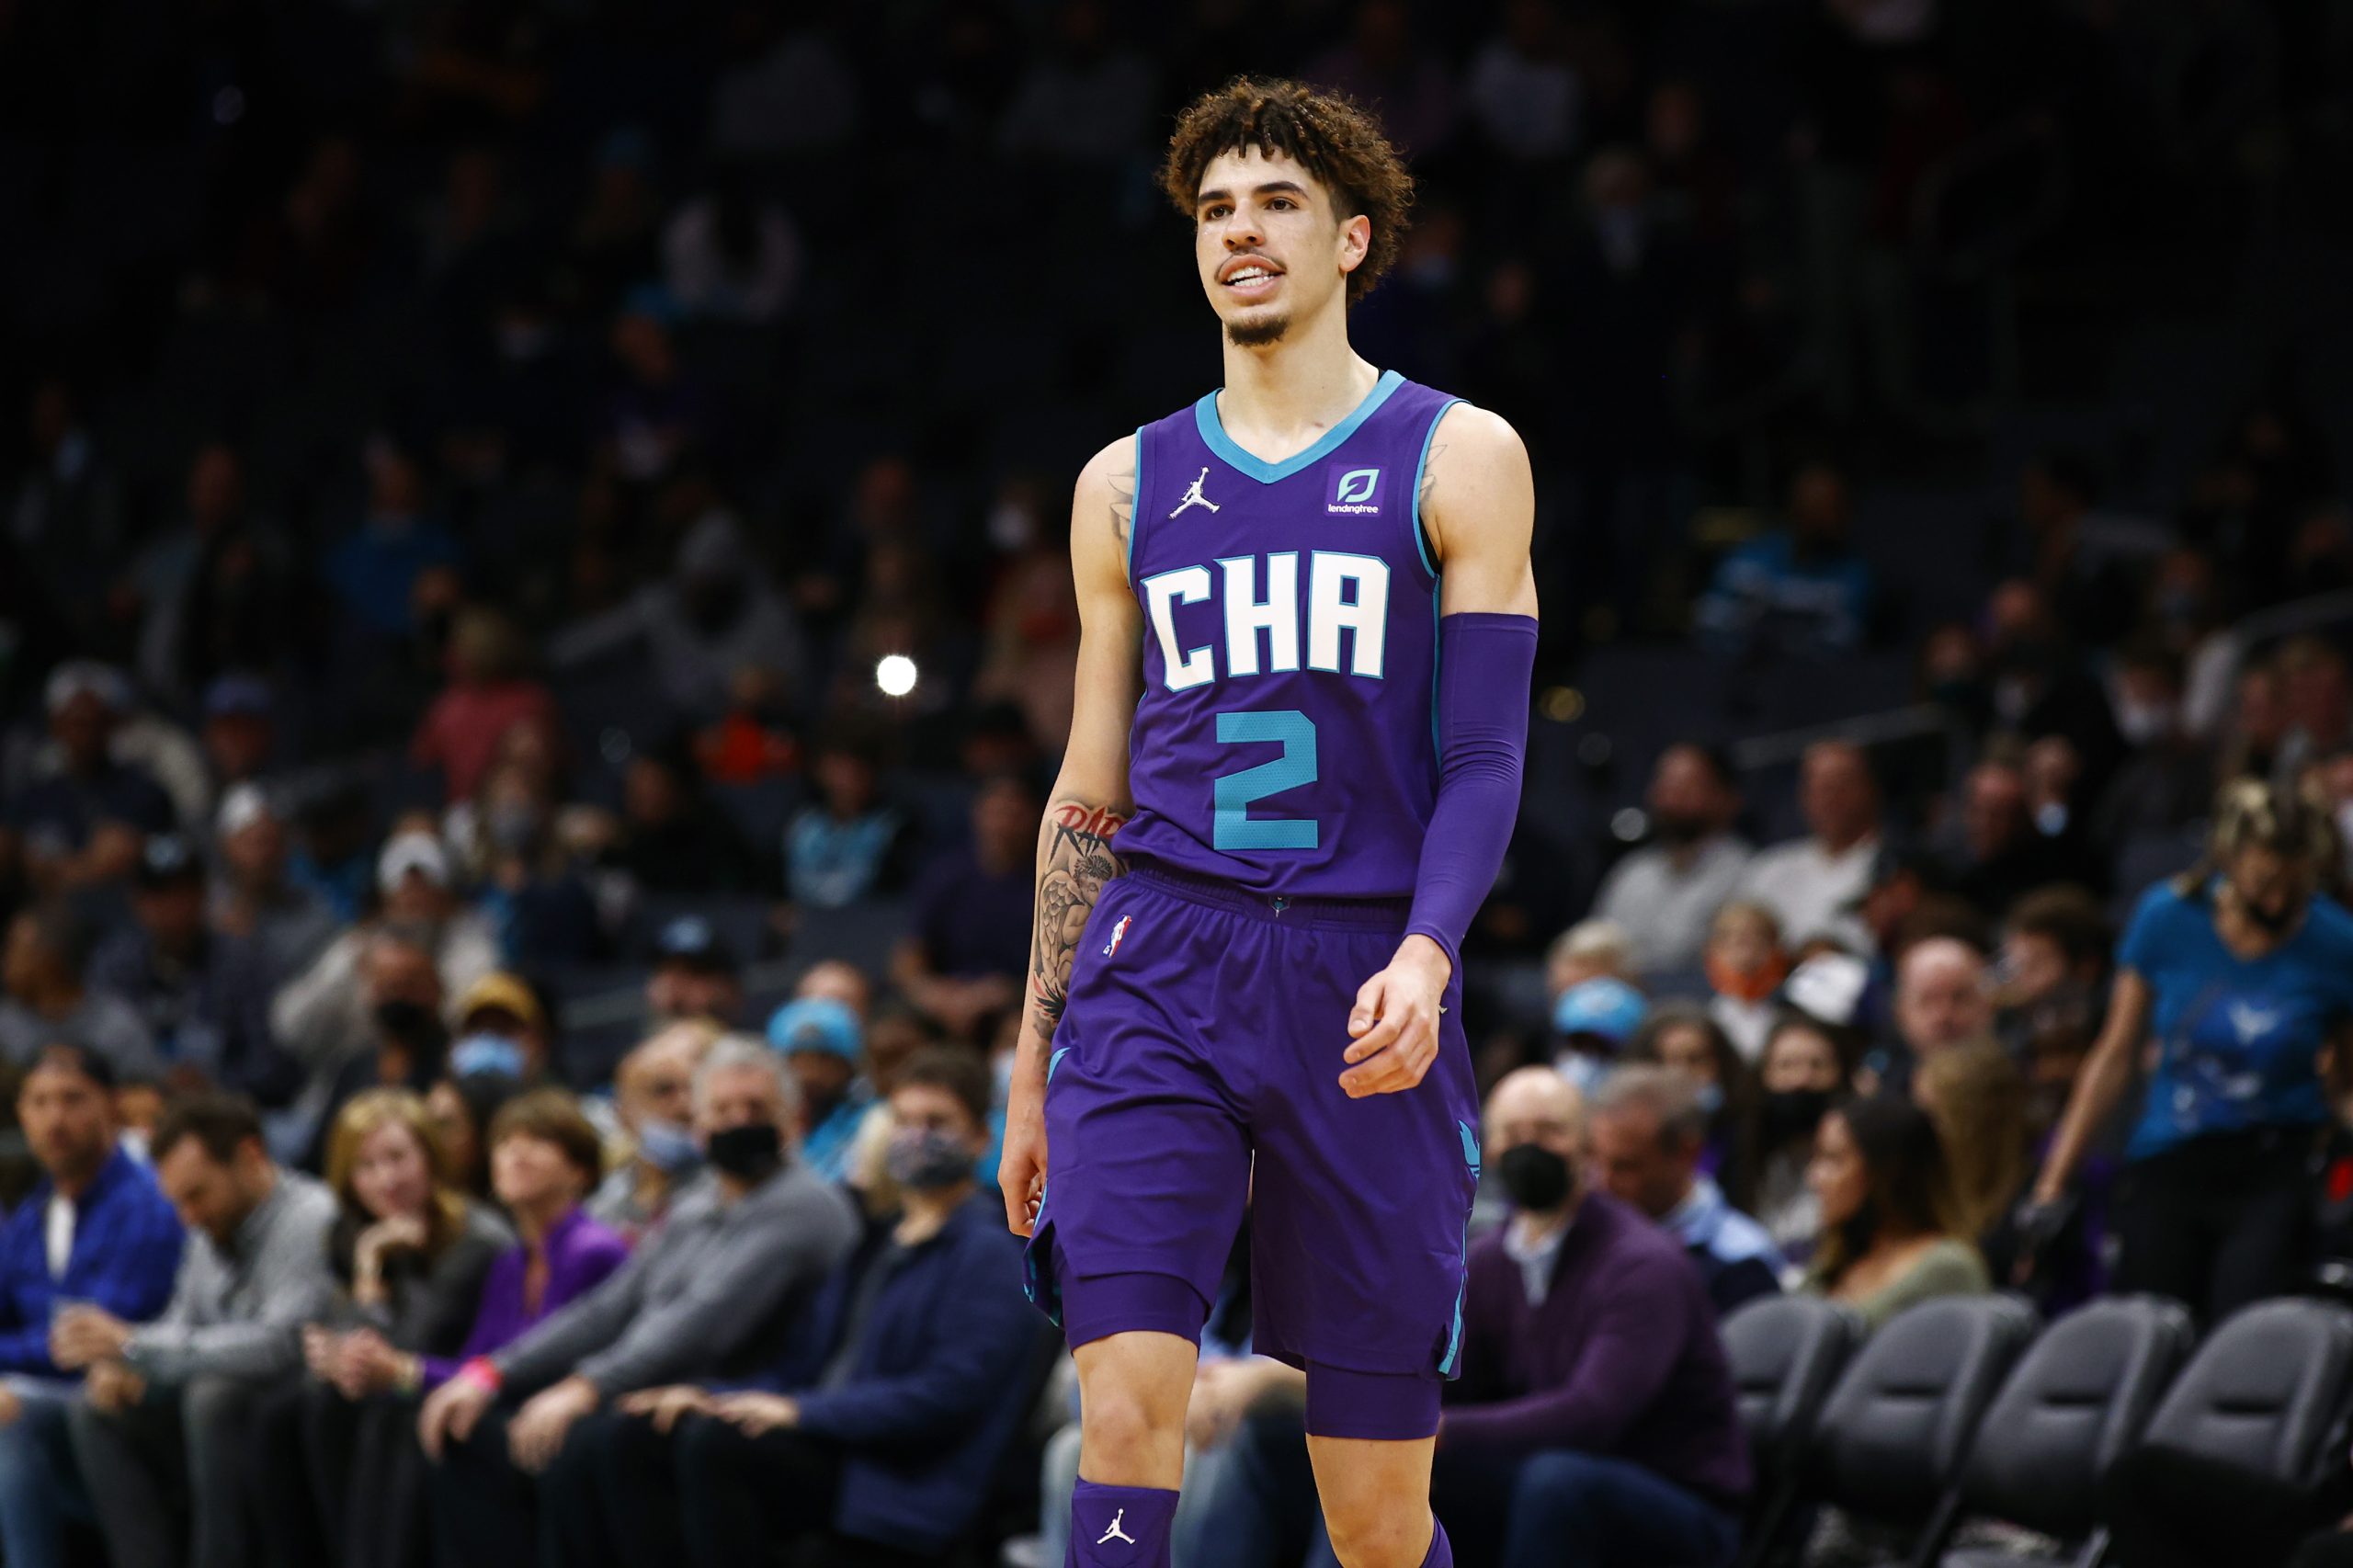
[[1394, 1023]]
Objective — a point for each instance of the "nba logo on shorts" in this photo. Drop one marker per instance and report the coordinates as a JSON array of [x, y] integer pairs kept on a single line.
[[1117, 932], [1352, 493]]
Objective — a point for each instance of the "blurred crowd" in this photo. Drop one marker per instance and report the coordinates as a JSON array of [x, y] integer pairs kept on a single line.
[[507, 998]]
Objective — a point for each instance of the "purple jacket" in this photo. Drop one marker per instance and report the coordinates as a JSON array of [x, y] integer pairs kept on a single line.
[[580, 1252], [1621, 1358]]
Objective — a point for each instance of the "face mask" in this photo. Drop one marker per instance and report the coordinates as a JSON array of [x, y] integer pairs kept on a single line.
[[1752, 985], [405, 1021], [1679, 832], [512, 827], [1584, 1072], [1534, 1177], [1711, 1099], [1787, 1114], [486, 1053], [668, 1147], [924, 1159], [749, 1153], [2142, 722], [2270, 922], [2051, 819]]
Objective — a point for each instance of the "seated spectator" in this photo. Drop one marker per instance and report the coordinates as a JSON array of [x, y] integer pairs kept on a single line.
[[97, 1229], [46, 999], [1593, 1022], [1805, 1068], [1799, 589], [1976, 1095], [753, 742], [967, 950], [255, 897], [694, 975], [1665, 895], [1810, 883], [489, 693], [1647, 1135], [1594, 1421], [853, 843], [1681, 1037], [532, 883], [502, 1030], [82, 825], [2168, 781], [709, 1295], [166, 1408], [2006, 853], [240, 734], [675, 838], [1745, 968], [410, 1254], [654, 1099], [202, 994], [876, 1438], [1893, 1233], [819, 1040], [2051, 984], [373, 569], [461, 1111], [405, 1044], [1944, 995], [1590, 949]]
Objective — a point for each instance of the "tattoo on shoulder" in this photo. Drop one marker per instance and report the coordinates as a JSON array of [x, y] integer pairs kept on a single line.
[[1429, 476], [1075, 861], [1123, 504]]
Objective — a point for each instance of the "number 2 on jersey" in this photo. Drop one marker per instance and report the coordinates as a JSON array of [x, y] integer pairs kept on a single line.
[[1234, 827]]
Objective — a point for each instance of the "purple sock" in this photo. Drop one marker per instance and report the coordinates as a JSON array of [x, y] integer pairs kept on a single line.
[[1441, 1554], [1123, 1526]]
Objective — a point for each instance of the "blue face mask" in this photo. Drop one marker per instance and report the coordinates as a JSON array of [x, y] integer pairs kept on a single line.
[[485, 1053], [667, 1148], [1584, 1073]]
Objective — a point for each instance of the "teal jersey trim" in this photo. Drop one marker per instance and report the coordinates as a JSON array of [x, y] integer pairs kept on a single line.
[[1421, 541], [1213, 435], [1135, 509]]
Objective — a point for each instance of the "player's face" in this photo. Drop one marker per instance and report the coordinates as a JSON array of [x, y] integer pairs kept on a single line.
[[1269, 245]]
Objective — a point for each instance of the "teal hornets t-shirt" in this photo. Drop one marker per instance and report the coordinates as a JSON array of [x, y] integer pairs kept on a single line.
[[2239, 1039]]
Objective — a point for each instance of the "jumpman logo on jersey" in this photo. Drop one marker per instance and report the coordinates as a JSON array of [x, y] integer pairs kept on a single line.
[[1194, 497], [1115, 1532]]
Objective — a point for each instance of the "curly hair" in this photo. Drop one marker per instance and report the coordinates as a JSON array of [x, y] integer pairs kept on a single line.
[[1327, 132]]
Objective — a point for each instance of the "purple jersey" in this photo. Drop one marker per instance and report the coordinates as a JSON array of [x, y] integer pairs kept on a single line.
[[1286, 738]]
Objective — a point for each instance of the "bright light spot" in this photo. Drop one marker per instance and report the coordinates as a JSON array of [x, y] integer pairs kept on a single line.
[[1629, 825], [895, 674]]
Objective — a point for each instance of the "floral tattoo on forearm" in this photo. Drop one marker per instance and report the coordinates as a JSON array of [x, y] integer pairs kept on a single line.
[[1075, 860]]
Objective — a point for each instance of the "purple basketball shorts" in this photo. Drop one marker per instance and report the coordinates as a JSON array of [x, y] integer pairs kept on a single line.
[[1197, 1069]]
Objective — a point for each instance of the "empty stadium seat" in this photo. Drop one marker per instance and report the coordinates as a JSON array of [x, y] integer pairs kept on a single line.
[[1897, 1427], [2247, 1450], [1786, 1353], [2078, 1400]]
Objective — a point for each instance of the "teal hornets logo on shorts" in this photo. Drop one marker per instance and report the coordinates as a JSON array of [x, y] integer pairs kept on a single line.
[[1117, 932], [1354, 493]]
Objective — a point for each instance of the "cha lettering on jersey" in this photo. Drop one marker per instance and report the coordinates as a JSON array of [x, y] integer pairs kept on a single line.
[[1260, 604]]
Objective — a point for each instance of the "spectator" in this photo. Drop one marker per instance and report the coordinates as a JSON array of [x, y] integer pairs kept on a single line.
[[46, 1000], [1684, 1038], [1590, 949], [1648, 1131], [2006, 853], [1902, 882], [1799, 589], [240, 735], [1943, 995], [1745, 968], [374, 570], [545, 913], [255, 899], [2244, 977], [818, 1038], [1665, 894], [850, 846], [410, 1252], [2049, 985], [1810, 883], [406, 1044], [1593, 1022], [501, 1030], [2042, 688], [1804, 1069], [1892, 1231], [2320, 705], [2168, 781], [82, 825], [2255, 738], [729, 255], [707, 1295], [95, 1229], [969, 950], [694, 976], [753, 742], [166, 1408], [654, 1095], [489, 693], [878, 1437], [1976, 1097], [202, 996], [1594, 1421], [1521, 87], [675, 839], [461, 1111]]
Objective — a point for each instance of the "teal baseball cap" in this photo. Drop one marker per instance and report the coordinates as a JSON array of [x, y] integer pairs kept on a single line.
[[1609, 1008], [815, 1023]]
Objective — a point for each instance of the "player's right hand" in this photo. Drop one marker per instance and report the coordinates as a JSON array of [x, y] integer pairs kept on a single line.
[[1021, 1170]]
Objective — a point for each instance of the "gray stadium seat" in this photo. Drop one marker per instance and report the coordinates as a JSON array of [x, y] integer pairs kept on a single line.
[[1786, 1353], [2078, 1400]]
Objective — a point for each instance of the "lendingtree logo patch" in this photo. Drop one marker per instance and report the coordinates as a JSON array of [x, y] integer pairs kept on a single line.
[[1356, 491]]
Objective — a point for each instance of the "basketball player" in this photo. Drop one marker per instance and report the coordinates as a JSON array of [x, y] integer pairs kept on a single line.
[[1309, 622]]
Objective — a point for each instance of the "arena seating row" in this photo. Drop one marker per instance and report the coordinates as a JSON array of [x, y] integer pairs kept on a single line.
[[1966, 1409]]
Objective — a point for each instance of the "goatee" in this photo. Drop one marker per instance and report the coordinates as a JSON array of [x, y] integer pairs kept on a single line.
[[1257, 332]]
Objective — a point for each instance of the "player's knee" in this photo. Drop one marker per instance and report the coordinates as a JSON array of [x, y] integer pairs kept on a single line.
[[1374, 1531], [1130, 1437]]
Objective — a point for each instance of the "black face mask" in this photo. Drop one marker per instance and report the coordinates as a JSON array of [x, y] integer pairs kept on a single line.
[[748, 1152], [1534, 1177], [1787, 1115], [411, 1023], [2270, 922]]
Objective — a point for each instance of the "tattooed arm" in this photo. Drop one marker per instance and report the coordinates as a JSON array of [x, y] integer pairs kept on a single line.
[[1089, 802]]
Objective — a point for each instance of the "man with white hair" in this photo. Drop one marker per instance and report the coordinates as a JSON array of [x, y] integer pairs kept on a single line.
[[709, 1295], [1943, 995]]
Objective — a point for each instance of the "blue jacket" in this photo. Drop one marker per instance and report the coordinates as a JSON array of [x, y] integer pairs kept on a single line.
[[942, 1381], [1734, 1255], [126, 1254]]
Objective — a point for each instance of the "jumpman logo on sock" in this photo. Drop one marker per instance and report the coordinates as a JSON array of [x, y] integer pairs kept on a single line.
[[1115, 1532]]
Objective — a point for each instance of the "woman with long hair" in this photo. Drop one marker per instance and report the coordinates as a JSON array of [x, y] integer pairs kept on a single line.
[[1893, 1233], [2243, 972], [1804, 1071]]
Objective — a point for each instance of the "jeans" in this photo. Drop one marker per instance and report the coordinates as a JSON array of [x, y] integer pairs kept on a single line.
[[41, 1487]]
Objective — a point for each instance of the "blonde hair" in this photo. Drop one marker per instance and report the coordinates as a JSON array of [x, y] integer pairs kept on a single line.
[[2252, 814], [368, 1113], [1976, 1095]]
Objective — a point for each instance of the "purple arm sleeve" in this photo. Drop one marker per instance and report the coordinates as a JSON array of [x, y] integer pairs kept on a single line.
[[1486, 662]]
